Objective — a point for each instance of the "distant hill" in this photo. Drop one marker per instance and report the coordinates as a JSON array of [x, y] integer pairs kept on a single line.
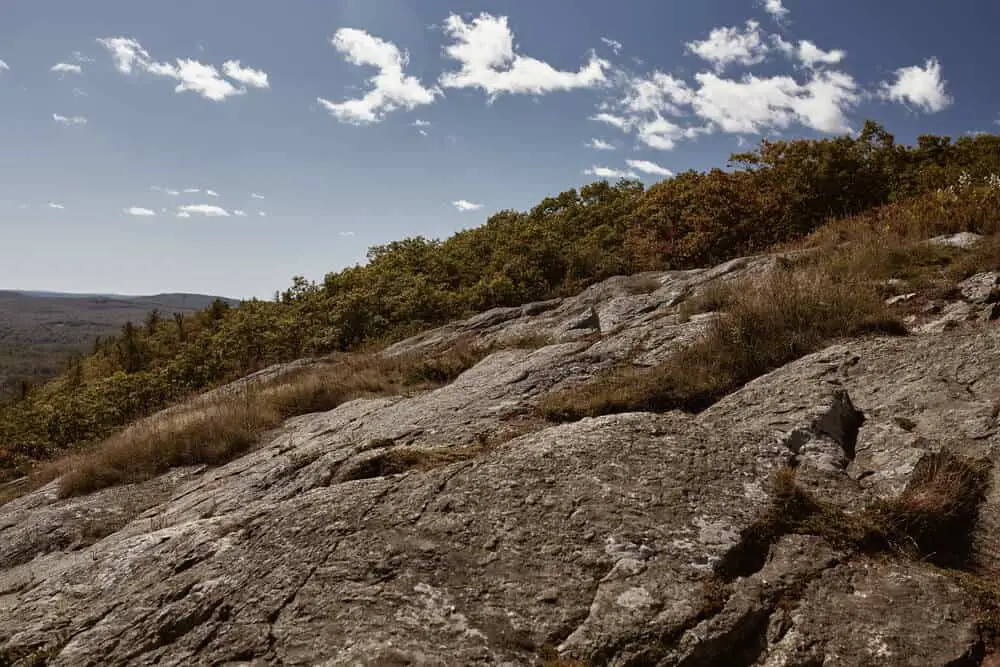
[[40, 330]]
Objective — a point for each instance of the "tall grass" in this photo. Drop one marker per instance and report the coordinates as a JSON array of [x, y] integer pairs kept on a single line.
[[231, 423]]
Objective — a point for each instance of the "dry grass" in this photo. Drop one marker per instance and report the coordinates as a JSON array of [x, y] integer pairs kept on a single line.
[[769, 322], [837, 290], [935, 516], [229, 425], [932, 520]]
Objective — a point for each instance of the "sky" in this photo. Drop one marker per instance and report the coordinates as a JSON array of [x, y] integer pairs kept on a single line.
[[224, 146]]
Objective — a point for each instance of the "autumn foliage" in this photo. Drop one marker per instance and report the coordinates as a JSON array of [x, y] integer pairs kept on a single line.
[[780, 192]]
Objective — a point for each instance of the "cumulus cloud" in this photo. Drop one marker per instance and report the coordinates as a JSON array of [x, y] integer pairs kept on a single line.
[[4, 67], [647, 167], [754, 104], [208, 210], [728, 45], [465, 205], [254, 195], [58, 207], [239, 214], [190, 75], [211, 193], [612, 44], [66, 68], [183, 214], [484, 49], [808, 53], [196, 77], [262, 214], [608, 172], [660, 93], [643, 109], [776, 9], [254, 78], [389, 89], [652, 106], [140, 212], [922, 87], [420, 123], [600, 145], [69, 121]]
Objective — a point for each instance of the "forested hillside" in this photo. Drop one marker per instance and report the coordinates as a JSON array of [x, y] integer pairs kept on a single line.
[[40, 332], [778, 193]]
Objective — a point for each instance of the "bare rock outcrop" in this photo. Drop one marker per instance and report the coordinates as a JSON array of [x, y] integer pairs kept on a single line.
[[626, 540]]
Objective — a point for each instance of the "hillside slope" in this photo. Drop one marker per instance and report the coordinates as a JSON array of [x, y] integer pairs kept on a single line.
[[39, 331], [777, 194], [837, 510]]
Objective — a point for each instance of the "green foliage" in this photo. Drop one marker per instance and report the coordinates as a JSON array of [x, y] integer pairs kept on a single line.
[[781, 191]]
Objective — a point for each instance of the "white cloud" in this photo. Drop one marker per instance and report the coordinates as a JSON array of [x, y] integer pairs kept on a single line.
[[239, 214], [58, 207], [811, 55], [66, 68], [600, 145], [191, 75], [127, 53], [647, 167], [808, 53], [922, 87], [4, 67], [613, 44], [192, 191], [662, 134], [69, 121], [622, 123], [166, 191], [390, 88], [485, 50], [138, 211], [643, 109], [465, 205], [204, 209], [211, 193], [608, 172], [254, 195], [79, 92], [262, 214], [752, 104], [345, 234], [420, 123], [652, 106], [254, 78], [196, 77], [777, 10], [183, 214], [728, 45], [660, 93]]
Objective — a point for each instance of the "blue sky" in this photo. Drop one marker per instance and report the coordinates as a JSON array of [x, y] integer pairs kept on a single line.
[[305, 132]]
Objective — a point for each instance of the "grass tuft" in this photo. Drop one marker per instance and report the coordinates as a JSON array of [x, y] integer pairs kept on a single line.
[[769, 322]]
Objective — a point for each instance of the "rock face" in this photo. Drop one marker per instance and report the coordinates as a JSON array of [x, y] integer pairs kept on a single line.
[[629, 540]]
